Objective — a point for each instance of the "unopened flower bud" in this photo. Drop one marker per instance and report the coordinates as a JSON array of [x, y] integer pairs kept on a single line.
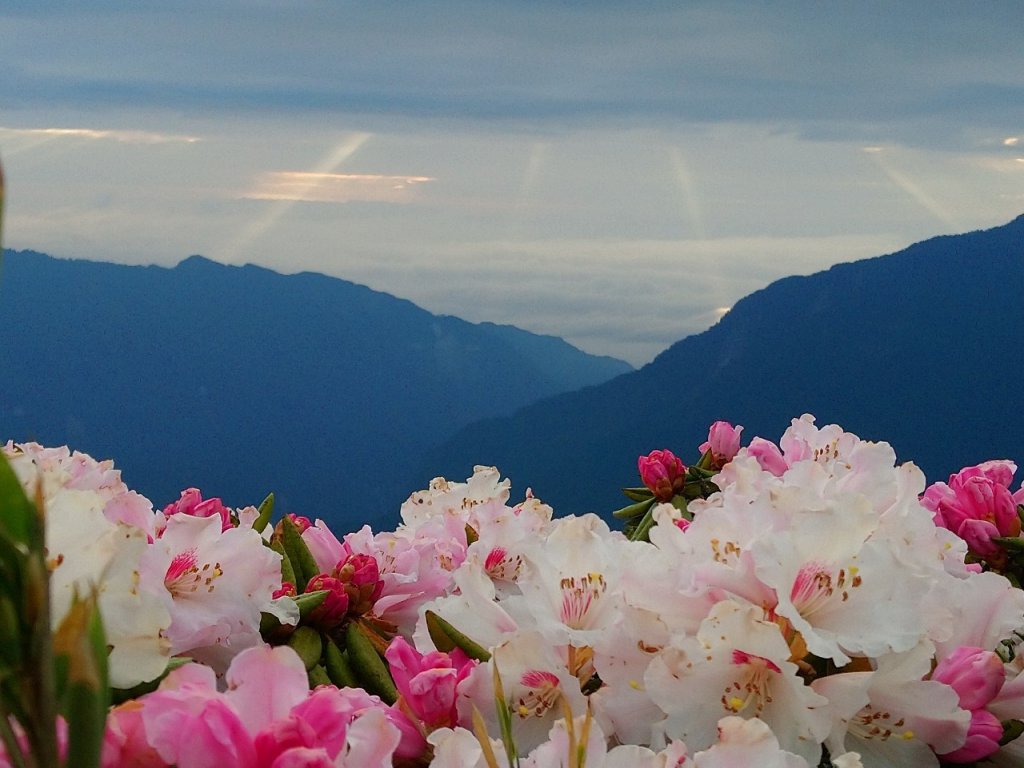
[[360, 576], [983, 737], [723, 442], [332, 611], [975, 674], [192, 503], [662, 473]]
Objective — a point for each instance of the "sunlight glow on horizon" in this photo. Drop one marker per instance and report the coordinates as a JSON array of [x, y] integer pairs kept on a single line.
[[309, 186]]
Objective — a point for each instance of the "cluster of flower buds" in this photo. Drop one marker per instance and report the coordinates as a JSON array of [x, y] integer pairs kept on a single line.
[[666, 480]]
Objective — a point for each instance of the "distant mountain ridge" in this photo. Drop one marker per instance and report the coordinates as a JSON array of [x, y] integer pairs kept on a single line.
[[240, 380], [920, 348]]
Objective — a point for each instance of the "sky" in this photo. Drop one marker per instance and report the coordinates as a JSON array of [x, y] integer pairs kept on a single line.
[[617, 174]]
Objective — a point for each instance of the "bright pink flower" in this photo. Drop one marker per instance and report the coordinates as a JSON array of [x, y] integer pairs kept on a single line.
[[723, 442], [768, 455], [303, 757], [189, 723], [662, 473], [983, 737], [428, 683], [361, 576], [283, 736], [192, 503], [977, 505], [124, 741], [975, 674], [332, 611]]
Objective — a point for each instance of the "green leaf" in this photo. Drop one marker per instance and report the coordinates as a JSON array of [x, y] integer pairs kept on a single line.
[[80, 643], [301, 558], [18, 516], [306, 642], [1012, 729], [446, 638], [1010, 543], [635, 510], [367, 664], [266, 510], [338, 668], [287, 571], [641, 493]]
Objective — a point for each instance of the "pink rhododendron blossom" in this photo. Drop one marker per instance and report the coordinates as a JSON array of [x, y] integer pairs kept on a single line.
[[428, 682], [192, 503], [723, 442], [977, 505], [663, 473], [214, 583]]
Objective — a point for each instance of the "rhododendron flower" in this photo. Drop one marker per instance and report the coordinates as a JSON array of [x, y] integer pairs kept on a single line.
[[87, 547], [662, 473], [214, 583], [360, 575], [723, 442], [428, 682], [737, 664], [192, 503], [977, 505]]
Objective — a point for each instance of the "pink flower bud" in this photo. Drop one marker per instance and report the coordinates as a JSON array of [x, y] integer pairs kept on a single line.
[[192, 503], [332, 611], [975, 674], [723, 442], [977, 506], [983, 737], [287, 589], [662, 473], [361, 576], [768, 455]]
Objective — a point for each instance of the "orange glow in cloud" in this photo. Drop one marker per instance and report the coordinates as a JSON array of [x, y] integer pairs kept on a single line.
[[127, 137], [336, 187]]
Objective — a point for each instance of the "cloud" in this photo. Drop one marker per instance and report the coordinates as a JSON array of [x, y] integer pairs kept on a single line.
[[95, 134], [336, 187]]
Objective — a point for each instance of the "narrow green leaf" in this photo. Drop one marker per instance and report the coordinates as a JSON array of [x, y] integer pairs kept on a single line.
[[367, 664], [446, 637], [287, 571], [266, 510], [338, 668], [305, 641], [301, 558], [17, 512], [635, 510], [80, 643], [1012, 730], [639, 493]]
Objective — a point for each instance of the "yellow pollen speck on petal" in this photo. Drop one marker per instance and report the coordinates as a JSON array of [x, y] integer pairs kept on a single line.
[[523, 710], [635, 685], [854, 570], [908, 735], [736, 703]]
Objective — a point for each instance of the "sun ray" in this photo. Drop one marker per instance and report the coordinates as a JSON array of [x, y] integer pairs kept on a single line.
[[277, 209]]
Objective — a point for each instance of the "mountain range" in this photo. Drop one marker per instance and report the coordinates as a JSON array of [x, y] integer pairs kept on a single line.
[[920, 348], [240, 380], [343, 400]]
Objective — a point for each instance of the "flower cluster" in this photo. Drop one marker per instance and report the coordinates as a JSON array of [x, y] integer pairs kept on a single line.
[[801, 603]]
